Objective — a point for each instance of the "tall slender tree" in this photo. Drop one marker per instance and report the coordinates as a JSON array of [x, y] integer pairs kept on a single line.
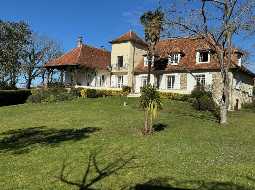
[[218, 22], [152, 22]]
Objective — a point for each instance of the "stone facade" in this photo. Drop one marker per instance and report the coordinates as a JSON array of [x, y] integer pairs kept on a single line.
[[183, 81]]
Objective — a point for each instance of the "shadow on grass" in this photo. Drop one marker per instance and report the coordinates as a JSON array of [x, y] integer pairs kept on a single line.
[[95, 172], [22, 140], [172, 184], [159, 127]]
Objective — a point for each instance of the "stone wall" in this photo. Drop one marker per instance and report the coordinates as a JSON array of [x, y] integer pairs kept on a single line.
[[183, 81], [238, 95]]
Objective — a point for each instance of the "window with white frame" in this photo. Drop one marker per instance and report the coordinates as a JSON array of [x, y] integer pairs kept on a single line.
[[120, 81], [203, 57], [200, 79], [143, 81], [146, 61], [174, 59], [171, 80], [102, 80]]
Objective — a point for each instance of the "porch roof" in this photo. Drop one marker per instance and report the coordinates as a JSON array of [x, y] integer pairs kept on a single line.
[[83, 56]]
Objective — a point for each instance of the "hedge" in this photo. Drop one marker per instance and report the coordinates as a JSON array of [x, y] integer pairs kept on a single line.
[[175, 96], [13, 97]]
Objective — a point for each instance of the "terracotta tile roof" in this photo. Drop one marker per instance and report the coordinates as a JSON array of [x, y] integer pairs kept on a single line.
[[129, 36], [83, 56], [188, 48]]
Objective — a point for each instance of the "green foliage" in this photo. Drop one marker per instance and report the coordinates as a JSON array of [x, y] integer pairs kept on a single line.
[[51, 95], [150, 101], [13, 97], [92, 93], [203, 101], [5, 86], [149, 94], [152, 22], [126, 90], [13, 40], [95, 93], [175, 96], [191, 140]]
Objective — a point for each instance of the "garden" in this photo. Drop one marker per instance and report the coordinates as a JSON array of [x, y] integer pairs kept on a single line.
[[97, 143]]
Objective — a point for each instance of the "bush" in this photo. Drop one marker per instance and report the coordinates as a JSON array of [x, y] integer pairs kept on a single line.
[[6, 86], [92, 93], [13, 97], [175, 96], [203, 101], [51, 95], [126, 90], [56, 85]]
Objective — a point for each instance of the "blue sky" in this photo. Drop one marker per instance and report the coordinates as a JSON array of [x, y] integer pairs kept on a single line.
[[98, 21]]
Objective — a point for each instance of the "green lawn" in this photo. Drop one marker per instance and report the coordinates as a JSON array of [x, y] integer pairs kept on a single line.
[[192, 152]]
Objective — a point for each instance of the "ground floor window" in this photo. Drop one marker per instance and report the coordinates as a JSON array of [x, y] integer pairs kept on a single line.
[[144, 81], [101, 80], [200, 79], [171, 82], [120, 81]]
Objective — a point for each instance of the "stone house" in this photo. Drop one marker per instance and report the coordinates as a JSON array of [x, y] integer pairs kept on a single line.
[[179, 64]]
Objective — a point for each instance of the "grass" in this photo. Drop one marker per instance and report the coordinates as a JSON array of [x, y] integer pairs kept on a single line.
[[192, 152]]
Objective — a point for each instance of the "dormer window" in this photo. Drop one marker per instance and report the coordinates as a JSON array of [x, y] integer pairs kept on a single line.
[[239, 60], [174, 59], [203, 57]]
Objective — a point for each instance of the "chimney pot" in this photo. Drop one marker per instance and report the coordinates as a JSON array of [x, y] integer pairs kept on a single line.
[[79, 41]]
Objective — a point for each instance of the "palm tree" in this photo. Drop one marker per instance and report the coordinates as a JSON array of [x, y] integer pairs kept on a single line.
[[151, 103], [152, 22]]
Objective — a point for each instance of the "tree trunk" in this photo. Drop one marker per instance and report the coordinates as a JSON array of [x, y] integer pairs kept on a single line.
[[146, 122], [29, 82]]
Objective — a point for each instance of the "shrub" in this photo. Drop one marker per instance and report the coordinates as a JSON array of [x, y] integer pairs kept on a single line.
[[203, 101], [151, 103], [92, 93], [6, 86], [126, 90], [175, 96], [51, 95], [56, 85], [13, 97]]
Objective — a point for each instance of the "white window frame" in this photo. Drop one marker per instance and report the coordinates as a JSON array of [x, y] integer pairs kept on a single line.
[[146, 62], [200, 76], [173, 83], [174, 59], [198, 57], [143, 80], [120, 81]]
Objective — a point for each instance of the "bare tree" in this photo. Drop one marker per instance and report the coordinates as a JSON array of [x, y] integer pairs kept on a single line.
[[38, 52], [153, 25], [218, 22]]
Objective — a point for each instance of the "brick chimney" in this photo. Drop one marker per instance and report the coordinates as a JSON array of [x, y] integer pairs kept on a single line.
[[79, 41]]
